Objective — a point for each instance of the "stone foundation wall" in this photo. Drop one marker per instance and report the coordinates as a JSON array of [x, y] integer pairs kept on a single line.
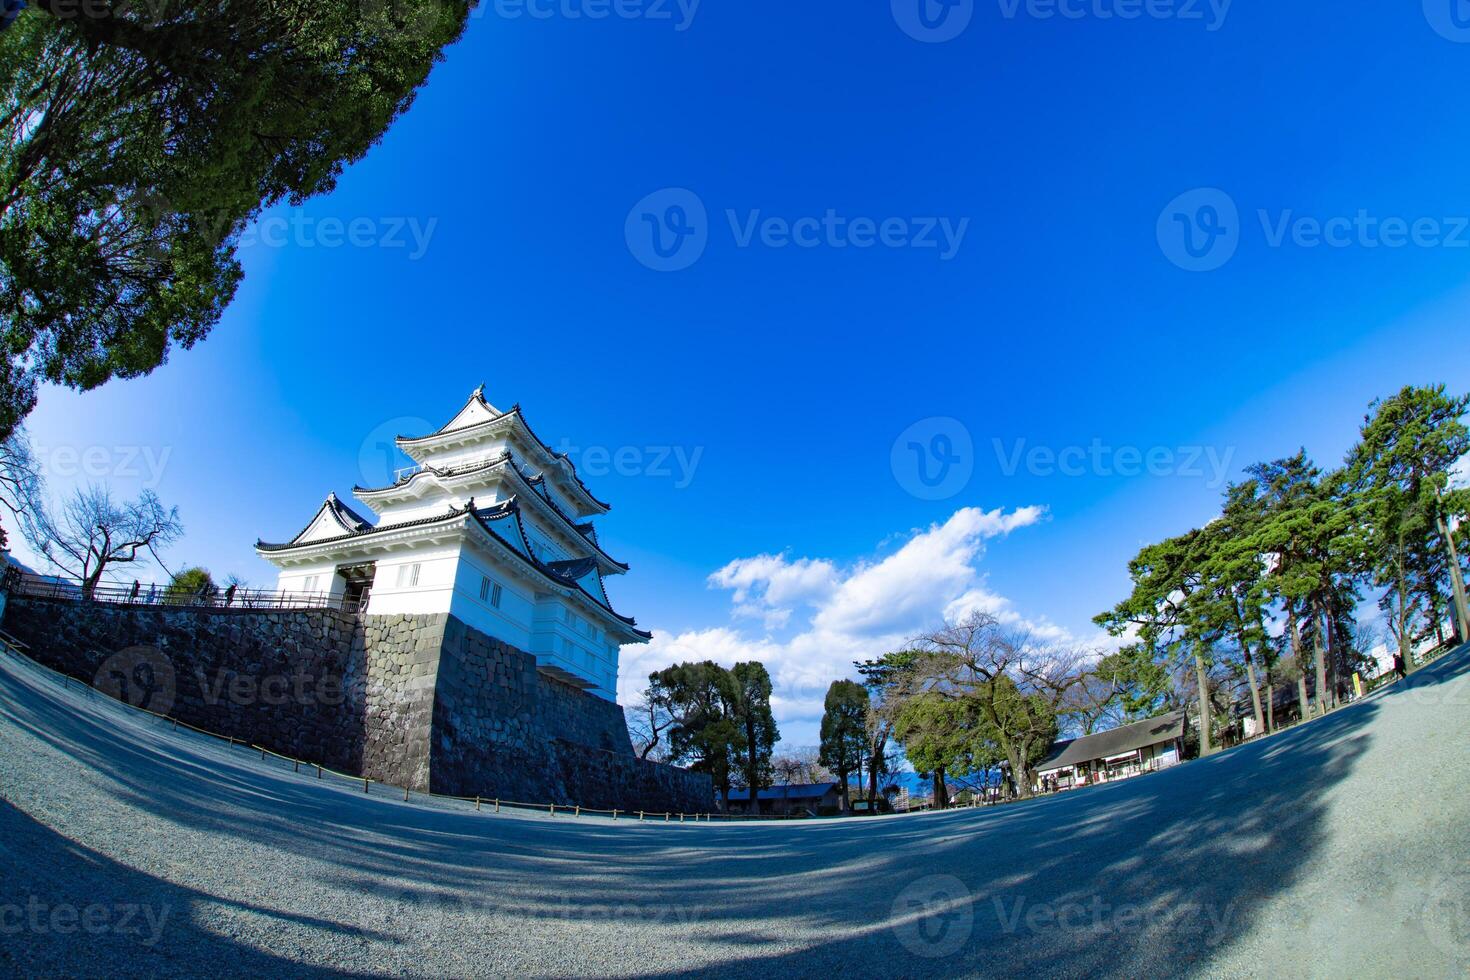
[[287, 680], [419, 701]]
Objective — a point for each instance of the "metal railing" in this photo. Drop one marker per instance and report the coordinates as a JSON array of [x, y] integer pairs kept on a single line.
[[154, 594]]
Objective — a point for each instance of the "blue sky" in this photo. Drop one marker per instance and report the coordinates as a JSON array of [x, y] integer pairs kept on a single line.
[[503, 234]]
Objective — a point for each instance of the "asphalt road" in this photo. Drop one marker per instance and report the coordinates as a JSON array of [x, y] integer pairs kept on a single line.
[[1340, 848]]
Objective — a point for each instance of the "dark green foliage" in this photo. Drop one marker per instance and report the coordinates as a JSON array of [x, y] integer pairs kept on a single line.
[[139, 139], [758, 730], [844, 730]]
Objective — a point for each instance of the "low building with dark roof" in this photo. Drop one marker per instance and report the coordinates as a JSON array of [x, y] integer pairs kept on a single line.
[[1129, 750], [809, 799]]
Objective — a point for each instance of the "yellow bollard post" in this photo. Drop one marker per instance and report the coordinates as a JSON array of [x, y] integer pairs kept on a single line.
[[578, 812], [477, 803]]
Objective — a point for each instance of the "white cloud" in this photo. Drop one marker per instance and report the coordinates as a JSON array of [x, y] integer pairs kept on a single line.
[[845, 614]]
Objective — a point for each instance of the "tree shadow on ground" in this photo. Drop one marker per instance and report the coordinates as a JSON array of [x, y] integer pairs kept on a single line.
[[1156, 874]]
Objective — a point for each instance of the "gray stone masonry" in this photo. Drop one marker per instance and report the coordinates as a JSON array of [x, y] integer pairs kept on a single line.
[[419, 701]]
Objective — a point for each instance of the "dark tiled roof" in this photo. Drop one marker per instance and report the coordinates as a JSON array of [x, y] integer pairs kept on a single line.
[[370, 529], [575, 569], [536, 483], [349, 520], [516, 411], [813, 791], [484, 516], [1126, 738]]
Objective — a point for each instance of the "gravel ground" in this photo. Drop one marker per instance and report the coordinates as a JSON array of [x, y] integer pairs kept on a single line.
[[1341, 848]]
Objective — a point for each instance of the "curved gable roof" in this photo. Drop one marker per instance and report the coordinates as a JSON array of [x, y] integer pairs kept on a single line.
[[478, 414]]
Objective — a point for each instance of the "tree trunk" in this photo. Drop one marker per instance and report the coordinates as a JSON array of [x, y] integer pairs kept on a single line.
[[1270, 698], [880, 742], [1250, 676], [1319, 659], [1335, 658], [941, 791], [1296, 655], [89, 584], [1206, 746], [1457, 581]]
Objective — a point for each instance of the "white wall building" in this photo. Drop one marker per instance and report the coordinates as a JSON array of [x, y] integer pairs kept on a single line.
[[491, 526]]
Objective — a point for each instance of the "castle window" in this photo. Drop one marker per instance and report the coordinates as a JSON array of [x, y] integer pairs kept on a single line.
[[310, 584], [408, 575]]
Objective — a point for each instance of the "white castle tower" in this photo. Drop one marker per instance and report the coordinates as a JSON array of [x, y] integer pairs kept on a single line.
[[491, 526]]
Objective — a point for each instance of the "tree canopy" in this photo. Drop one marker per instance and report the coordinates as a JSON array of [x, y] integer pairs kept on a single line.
[[140, 139]]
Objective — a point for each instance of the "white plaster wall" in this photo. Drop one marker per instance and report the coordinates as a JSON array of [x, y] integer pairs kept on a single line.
[[512, 621], [434, 591], [294, 579]]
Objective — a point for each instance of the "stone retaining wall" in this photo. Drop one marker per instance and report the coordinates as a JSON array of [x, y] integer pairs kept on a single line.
[[419, 701], [286, 680]]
